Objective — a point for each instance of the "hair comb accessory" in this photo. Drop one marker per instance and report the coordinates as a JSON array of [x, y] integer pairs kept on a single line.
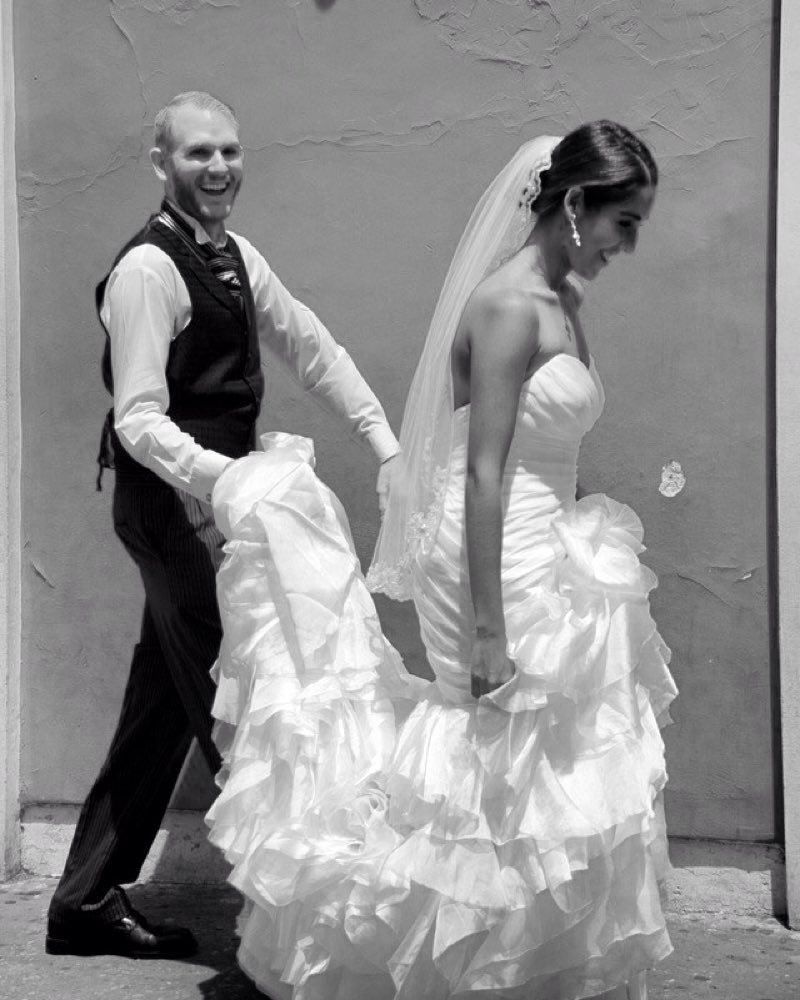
[[533, 186]]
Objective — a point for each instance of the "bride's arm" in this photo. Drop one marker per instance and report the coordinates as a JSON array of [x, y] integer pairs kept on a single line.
[[502, 342]]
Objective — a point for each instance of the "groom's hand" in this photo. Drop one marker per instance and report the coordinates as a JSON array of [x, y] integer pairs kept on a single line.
[[388, 469]]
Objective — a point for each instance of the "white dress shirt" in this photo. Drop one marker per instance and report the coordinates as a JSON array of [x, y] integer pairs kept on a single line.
[[146, 306]]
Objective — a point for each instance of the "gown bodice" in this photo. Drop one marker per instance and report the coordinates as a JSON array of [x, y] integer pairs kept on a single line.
[[559, 403]]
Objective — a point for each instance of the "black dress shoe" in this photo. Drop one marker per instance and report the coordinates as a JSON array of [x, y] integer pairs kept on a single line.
[[130, 936]]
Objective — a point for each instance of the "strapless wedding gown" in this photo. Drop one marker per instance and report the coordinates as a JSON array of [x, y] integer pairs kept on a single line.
[[399, 840]]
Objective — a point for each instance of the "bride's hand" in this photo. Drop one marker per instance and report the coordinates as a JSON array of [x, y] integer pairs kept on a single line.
[[490, 667]]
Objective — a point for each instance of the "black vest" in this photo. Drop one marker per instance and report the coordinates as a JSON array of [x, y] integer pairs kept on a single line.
[[213, 368]]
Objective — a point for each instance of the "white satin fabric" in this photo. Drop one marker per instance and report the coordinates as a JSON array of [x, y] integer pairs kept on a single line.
[[507, 848]]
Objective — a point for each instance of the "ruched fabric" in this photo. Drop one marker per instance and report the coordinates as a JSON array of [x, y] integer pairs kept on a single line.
[[395, 840]]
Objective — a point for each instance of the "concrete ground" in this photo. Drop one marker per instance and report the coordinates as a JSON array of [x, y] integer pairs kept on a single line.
[[717, 955]]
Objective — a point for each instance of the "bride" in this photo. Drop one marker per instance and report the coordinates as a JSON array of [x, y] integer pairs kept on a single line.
[[499, 832]]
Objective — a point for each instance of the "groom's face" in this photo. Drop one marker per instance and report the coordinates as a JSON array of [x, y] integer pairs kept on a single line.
[[202, 166]]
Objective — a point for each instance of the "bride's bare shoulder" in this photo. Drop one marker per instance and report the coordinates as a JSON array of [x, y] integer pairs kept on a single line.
[[500, 298]]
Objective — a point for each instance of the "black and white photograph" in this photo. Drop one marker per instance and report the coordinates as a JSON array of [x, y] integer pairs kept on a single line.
[[400, 507]]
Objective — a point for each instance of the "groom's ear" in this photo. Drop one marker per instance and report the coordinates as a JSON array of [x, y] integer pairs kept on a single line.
[[158, 158]]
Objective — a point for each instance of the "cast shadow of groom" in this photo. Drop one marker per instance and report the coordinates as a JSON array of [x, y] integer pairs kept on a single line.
[[188, 887], [211, 912]]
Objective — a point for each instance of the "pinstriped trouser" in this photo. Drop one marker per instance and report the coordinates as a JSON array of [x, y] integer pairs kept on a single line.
[[173, 540]]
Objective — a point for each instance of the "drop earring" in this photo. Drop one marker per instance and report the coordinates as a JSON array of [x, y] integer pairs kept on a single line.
[[576, 236]]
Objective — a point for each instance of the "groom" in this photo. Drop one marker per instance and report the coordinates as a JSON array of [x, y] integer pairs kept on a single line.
[[188, 309]]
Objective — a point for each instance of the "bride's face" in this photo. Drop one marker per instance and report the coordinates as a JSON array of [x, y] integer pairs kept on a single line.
[[605, 231]]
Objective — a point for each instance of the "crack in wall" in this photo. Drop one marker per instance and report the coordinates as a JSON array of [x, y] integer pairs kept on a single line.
[[423, 134], [438, 10], [718, 590], [708, 148], [417, 135], [29, 184], [129, 42], [178, 11], [296, 7]]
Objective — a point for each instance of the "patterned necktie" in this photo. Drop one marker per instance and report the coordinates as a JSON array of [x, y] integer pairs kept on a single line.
[[225, 267], [223, 264]]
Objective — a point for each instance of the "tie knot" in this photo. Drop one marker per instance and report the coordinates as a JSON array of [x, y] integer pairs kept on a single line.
[[225, 267]]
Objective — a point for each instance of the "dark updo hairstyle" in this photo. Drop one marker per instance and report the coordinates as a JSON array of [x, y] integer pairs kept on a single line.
[[603, 158]]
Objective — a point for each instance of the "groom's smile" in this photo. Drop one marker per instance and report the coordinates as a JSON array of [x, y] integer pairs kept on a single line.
[[202, 168]]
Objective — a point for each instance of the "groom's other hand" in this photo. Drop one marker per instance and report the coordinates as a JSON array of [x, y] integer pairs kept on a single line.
[[386, 475]]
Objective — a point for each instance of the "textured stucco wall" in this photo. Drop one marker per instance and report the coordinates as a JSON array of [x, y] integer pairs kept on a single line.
[[370, 131]]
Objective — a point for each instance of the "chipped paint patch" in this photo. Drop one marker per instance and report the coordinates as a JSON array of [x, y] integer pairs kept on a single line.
[[672, 479]]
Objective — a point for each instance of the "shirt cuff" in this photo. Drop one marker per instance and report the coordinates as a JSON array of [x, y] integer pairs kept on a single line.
[[383, 442], [208, 468]]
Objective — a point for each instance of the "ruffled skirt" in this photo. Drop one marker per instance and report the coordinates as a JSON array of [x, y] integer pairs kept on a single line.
[[394, 839]]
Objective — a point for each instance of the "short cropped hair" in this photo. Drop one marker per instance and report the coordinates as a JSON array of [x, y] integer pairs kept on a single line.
[[195, 98]]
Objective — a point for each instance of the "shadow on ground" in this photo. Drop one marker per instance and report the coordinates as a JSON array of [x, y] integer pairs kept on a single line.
[[211, 914], [718, 956]]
